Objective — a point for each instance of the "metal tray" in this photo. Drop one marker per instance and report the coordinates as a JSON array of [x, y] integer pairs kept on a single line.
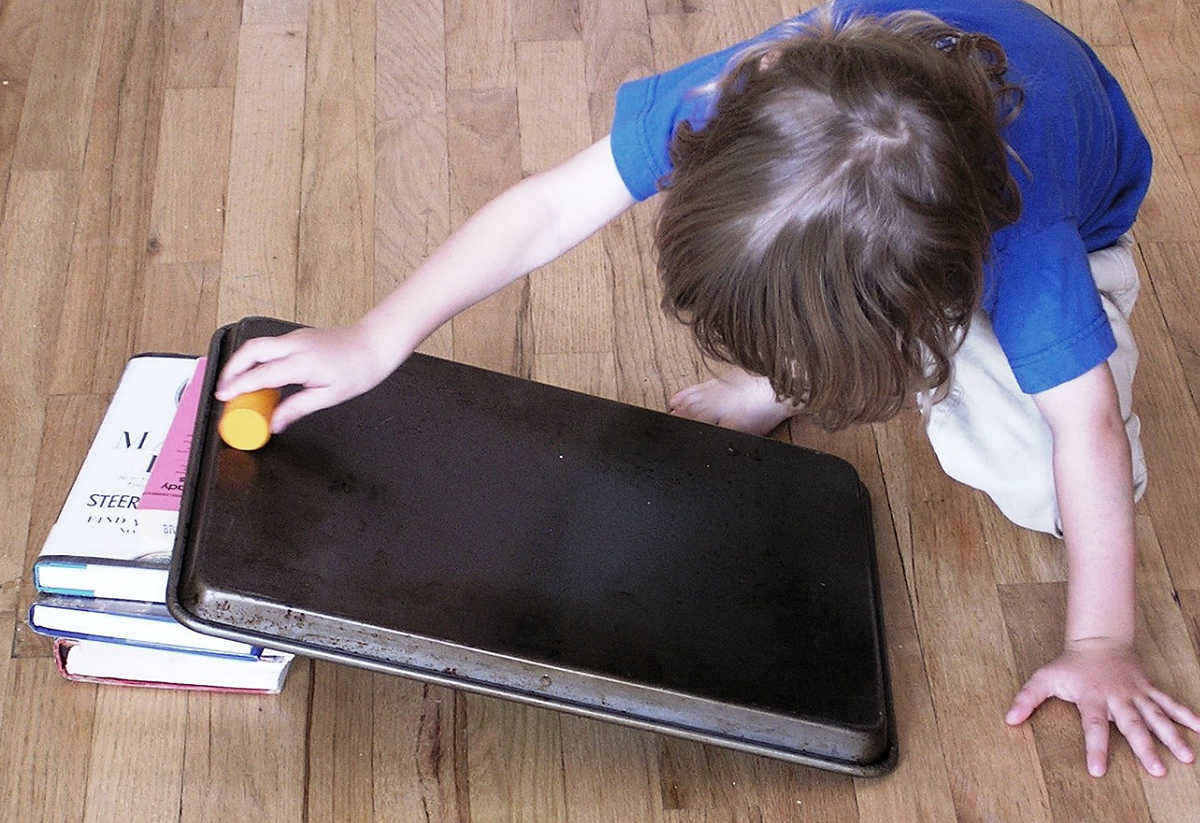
[[489, 533]]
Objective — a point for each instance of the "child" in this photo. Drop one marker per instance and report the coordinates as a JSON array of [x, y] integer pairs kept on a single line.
[[862, 208]]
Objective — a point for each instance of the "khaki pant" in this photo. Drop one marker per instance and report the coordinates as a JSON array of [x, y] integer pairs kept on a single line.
[[989, 434]]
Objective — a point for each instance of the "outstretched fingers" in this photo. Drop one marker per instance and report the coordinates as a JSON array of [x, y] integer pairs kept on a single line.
[[1178, 712], [1033, 694], [1094, 718], [1129, 721], [1164, 728]]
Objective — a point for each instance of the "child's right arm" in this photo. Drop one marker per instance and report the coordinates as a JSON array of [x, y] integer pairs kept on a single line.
[[527, 226]]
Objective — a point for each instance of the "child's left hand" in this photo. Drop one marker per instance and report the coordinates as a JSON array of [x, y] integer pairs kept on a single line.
[[1104, 680]]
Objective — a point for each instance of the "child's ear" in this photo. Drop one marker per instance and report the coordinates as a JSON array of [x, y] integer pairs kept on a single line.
[[769, 59]]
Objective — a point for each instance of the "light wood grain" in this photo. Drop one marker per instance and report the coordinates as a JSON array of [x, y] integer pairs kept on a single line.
[[341, 755], [202, 43], [994, 770], [1170, 209], [245, 755], [335, 280], [34, 242], [1166, 34], [1170, 432], [514, 760], [258, 270], [19, 30], [420, 745], [58, 98], [136, 763], [43, 764], [479, 45], [187, 213], [100, 304], [546, 20]]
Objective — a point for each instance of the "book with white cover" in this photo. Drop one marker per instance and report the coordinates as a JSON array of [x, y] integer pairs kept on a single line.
[[95, 661], [98, 547]]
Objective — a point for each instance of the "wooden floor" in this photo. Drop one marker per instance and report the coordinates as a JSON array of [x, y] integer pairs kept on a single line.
[[170, 165]]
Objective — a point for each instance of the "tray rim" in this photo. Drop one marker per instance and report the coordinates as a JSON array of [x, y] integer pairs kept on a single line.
[[178, 605]]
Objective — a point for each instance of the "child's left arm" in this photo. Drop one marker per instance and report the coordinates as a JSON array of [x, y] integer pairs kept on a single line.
[[1098, 670]]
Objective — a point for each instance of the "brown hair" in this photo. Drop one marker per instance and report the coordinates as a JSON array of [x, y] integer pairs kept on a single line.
[[827, 228]]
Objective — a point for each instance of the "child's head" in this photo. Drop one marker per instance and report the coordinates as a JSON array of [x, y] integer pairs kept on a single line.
[[828, 227]]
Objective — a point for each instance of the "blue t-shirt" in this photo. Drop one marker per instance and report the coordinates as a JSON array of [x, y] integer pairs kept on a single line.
[[1089, 167]]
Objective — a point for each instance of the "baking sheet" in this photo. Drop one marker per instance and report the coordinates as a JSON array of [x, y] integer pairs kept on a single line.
[[494, 534]]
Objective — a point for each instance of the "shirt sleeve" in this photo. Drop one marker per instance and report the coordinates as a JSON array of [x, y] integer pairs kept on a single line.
[[649, 110], [1047, 313]]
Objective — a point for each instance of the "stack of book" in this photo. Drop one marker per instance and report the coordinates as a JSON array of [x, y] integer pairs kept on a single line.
[[102, 574]]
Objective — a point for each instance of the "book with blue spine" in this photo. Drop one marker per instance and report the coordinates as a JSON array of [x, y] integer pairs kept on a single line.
[[126, 622]]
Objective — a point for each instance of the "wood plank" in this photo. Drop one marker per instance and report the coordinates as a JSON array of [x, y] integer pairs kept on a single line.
[[341, 762], [1170, 431], [616, 35], [483, 145], [108, 250], [58, 98], [1099, 22], [514, 761], [1173, 267], [1034, 614], [187, 211], [258, 271], [546, 20], [71, 423], [1166, 34], [593, 373], [179, 307], [275, 12], [600, 756], [20, 24], [202, 38], [136, 762], [244, 756], [335, 281], [571, 298], [479, 45], [1171, 210], [1189, 602], [994, 770], [15, 515], [420, 766], [412, 188], [1019, 555], [1191, 164], [7, 618], [919, 787], [34, 242], [1170, 663], [44, 762], [679, 37]]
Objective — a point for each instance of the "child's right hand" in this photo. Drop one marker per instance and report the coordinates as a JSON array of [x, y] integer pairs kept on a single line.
[[332, 364]]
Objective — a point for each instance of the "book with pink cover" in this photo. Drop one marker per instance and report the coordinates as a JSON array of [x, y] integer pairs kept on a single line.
[[158, 506]]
